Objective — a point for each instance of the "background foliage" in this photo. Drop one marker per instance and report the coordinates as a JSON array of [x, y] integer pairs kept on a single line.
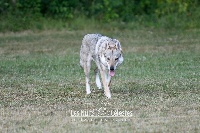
[[165, 13]]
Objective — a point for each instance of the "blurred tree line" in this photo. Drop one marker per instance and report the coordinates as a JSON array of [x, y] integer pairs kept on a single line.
[[103, 10]]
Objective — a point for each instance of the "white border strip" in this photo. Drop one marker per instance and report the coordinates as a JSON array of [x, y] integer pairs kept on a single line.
[[100, 116]]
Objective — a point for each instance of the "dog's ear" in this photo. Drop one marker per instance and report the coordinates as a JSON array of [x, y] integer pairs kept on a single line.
[[118, 45], [104, 45]]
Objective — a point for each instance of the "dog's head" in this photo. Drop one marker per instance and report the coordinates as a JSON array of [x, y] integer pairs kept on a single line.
[[112, 55]]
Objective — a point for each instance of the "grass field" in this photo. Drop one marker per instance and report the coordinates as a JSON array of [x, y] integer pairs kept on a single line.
[[42, 83]]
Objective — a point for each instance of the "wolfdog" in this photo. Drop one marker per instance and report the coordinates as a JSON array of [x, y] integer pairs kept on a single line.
[[106, 53]]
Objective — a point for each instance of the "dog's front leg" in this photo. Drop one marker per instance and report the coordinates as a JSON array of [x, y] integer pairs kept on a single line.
[[98, 82], [106, 81]]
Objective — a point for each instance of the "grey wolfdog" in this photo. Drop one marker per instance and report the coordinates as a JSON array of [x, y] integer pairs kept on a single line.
[[106, 53]]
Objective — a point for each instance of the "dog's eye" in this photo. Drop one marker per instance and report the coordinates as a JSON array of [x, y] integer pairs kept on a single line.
[[116, 58], [108, 58]]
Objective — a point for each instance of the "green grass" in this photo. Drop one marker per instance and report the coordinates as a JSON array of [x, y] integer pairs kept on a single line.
[[41, 82], [16, 23]]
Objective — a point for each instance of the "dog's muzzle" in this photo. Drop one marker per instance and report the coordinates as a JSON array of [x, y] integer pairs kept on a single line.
[[112, 68], [112, 71]]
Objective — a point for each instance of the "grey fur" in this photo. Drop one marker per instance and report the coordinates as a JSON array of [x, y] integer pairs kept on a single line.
[[105, 52]]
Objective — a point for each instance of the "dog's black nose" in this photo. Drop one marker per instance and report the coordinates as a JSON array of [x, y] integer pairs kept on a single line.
[[112, 68]]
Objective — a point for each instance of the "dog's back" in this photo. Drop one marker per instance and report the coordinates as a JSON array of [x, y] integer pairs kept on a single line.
[[88, 47], [90, 39], [89, 42]]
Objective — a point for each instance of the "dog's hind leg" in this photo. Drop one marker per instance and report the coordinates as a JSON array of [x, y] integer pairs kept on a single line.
[[98, 82], [87, 66]]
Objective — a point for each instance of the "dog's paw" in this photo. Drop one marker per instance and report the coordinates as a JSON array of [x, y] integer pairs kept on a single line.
[[88, 92], [108, 95], [88, 89], [99, 86]]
